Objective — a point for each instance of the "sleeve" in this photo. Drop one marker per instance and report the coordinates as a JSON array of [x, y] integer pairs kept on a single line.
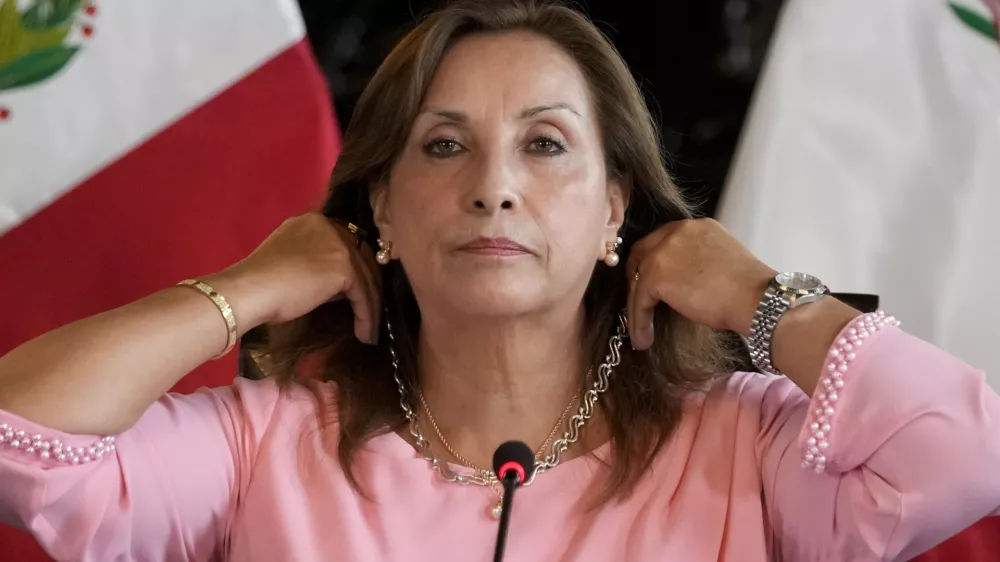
[[897, 450], [165, 489]]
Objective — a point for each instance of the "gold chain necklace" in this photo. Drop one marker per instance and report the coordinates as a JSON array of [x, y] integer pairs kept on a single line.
[[586, 410], [538, 454], [489, 475]]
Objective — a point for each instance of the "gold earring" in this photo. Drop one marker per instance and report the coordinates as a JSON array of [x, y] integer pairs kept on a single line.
[[611, 257], [384, 255]]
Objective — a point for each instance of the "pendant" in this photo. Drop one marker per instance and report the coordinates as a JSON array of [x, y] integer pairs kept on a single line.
[[497, 509]]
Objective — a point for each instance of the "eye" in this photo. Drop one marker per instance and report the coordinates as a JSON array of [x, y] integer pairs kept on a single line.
[[442, 148], [547, 146]]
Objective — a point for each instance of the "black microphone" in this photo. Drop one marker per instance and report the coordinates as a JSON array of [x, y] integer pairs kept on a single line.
[[513, 463]]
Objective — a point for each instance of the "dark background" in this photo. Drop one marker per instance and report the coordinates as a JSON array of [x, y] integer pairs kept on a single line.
[[697, 61]]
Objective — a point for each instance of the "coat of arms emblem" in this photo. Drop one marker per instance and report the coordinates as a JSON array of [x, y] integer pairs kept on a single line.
[[39, 38]]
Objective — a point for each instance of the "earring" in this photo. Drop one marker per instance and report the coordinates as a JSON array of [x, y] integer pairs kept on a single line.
[[611, 257], [384, 255]]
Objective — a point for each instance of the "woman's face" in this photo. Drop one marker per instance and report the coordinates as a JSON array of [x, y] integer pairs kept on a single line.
[[500, 204]]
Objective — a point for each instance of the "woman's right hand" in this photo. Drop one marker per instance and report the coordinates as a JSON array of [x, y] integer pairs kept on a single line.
[[306, 262]]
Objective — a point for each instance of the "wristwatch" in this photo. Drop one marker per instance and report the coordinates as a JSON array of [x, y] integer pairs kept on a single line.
[[785, 292]]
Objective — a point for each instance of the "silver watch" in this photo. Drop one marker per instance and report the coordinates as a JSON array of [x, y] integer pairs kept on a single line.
[[785, 292]]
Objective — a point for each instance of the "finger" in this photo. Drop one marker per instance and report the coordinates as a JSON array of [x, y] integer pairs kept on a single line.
[[642, 304], [354, 288], [633, 274], [372, 279], [637, 277]]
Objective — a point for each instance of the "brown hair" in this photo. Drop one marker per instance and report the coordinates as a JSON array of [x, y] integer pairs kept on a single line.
[[644, 402]]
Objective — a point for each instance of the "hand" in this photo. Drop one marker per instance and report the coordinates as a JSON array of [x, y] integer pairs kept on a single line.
[[306, 262], [699, 270]]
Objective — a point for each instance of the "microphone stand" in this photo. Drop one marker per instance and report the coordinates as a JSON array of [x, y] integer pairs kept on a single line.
[[510, 481]]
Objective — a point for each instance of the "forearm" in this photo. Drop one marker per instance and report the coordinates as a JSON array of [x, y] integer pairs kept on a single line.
[[803, 337], [98, 375]]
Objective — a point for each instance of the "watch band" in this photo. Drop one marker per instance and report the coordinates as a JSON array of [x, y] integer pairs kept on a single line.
[[777, 300], [770, 309]]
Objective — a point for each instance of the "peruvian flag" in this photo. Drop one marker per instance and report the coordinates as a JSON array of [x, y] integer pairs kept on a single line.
[[143, 142]]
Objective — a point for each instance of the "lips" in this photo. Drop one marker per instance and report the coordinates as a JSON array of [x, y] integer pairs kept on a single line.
[[494, 247]]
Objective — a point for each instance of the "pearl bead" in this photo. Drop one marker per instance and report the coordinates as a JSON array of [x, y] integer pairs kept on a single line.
[[496, 511], [37, 445], [827, 395], [611, 259]]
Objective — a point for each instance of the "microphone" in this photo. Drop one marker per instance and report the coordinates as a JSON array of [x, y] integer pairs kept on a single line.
[[513, 463]]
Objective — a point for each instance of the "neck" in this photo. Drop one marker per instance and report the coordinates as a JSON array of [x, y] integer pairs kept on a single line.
[[487, 381]]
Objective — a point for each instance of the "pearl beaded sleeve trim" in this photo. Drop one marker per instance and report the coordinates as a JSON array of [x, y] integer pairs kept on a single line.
[[824, 403], [53, 449]]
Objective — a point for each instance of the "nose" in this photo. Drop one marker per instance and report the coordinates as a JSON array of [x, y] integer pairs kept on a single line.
[[493, 188]]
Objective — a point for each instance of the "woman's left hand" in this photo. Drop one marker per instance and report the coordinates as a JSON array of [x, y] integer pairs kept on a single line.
[[699, 270]]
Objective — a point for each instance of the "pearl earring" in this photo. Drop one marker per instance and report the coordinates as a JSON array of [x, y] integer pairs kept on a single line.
[[384, 255], [611, 257]]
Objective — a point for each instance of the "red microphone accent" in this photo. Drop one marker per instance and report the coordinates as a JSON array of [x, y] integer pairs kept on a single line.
[[516, 467]]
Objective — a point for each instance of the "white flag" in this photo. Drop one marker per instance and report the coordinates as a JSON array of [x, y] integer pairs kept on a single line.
[[871, 158]]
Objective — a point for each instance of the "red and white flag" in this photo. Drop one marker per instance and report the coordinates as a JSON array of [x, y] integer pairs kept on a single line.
[[143, 142]]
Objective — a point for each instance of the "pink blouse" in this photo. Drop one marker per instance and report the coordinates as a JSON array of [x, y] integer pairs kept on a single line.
[[910, 440]]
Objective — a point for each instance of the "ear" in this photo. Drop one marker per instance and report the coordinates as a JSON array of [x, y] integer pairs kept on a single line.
[[618, 197], [378, 198]]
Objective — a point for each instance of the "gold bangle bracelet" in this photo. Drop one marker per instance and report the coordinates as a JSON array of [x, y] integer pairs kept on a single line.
[[222, 304]]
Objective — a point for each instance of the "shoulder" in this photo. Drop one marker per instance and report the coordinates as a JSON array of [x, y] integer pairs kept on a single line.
[[755, 394], [256, 404]]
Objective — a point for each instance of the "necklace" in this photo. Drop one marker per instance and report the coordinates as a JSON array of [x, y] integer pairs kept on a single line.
[[486, 478], [470, 464]]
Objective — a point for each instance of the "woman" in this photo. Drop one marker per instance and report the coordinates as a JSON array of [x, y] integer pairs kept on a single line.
[[504, 160]]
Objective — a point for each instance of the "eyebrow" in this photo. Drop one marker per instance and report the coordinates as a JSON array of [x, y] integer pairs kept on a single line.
[[459, 117]]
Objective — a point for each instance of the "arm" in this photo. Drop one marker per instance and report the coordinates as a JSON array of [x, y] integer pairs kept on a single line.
[[163, 490], [166, 486], [910, 446], [97, 376]]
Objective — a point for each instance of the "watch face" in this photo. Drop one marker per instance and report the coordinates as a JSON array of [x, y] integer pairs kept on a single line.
[[798, 281]]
